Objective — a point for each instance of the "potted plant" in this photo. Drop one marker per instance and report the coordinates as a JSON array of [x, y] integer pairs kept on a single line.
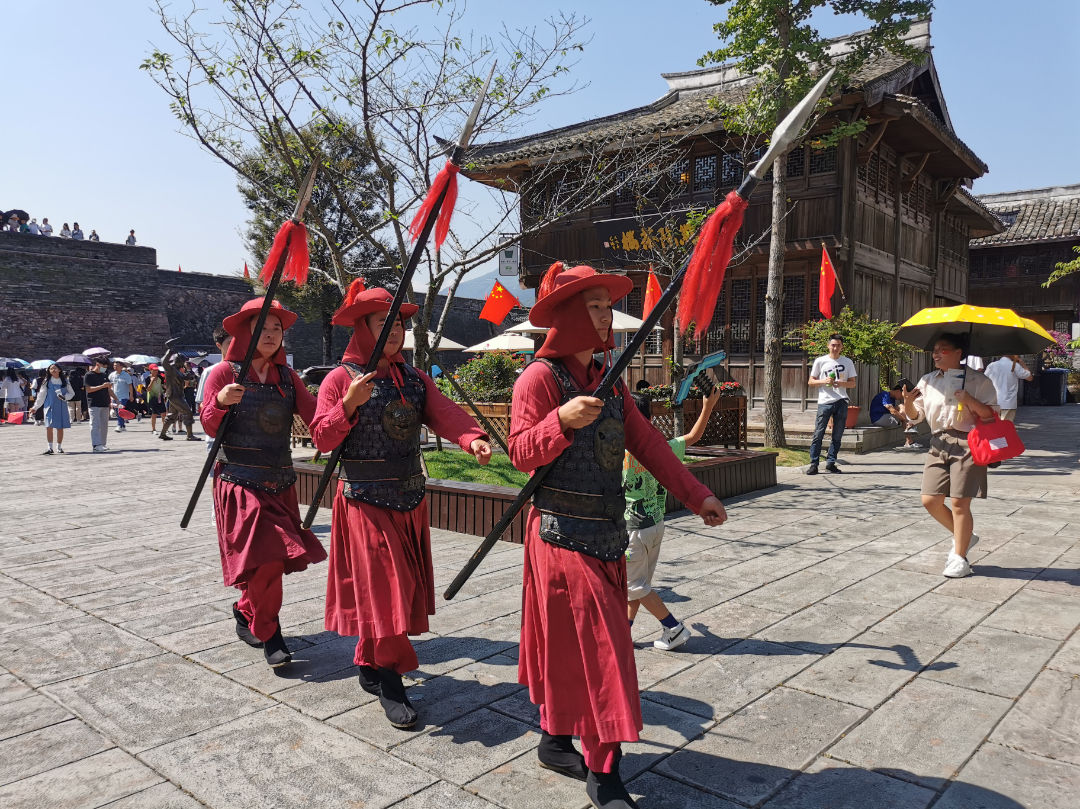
[[866, 342]]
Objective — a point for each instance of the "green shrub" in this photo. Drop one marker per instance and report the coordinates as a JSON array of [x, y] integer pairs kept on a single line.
[[488, 378]]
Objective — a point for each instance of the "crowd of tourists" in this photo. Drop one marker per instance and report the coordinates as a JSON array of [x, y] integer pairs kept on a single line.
[[19, 222], [109, 391]]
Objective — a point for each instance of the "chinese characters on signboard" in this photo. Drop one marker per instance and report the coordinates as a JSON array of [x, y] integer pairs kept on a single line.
[[631, 239]]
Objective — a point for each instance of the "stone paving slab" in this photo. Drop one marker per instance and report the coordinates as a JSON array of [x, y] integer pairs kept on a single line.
[[924, 734], [1001, 778], [155, 701], [752, 753], [830, 660], [283, 758]]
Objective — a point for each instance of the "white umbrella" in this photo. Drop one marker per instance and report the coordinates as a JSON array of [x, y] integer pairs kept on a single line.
[[140, 359], [39, 365], [446, 344], [503, 342], [620, 321]]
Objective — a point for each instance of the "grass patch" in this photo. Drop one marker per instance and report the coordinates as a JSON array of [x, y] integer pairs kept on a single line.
[[457, 465], [789, 457], [453, 464]]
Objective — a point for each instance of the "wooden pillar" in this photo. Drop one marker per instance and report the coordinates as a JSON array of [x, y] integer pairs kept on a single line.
[[898, 230]]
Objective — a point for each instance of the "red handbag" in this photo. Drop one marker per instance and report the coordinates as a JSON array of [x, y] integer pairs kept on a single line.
[[991, 441]]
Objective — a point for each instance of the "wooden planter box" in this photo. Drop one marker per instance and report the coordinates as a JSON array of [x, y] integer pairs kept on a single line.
[[469, 508], [474, 508], [726, 427]]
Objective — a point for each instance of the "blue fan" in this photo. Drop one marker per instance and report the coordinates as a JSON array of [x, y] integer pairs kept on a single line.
[[697, 373]]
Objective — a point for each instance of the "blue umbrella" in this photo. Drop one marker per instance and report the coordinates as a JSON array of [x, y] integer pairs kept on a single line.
[[40, 365]]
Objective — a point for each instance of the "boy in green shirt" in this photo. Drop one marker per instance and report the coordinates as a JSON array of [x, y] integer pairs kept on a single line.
[[645, 501]]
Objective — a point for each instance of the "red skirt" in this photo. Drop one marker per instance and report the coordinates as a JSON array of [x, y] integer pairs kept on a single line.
[[255, 528], [380, 581], [576, 654]]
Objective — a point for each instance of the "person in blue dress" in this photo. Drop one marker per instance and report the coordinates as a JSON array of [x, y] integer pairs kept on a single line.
[[53, 394]]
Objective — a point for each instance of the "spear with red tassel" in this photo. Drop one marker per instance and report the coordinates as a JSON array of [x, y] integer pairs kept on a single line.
[[288, 260], [703, 274], [434, 213]]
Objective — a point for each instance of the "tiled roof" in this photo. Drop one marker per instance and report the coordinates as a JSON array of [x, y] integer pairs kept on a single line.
[[685, 109], [1041, 215], [926, 116]]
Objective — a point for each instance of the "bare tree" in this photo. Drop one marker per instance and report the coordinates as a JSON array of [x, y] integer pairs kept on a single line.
[[255, 74]]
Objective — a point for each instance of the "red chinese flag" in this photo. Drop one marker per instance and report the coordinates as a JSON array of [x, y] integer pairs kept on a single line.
[[246, 273], [652, 294], [179, 268], [826, 284], [498, 304]]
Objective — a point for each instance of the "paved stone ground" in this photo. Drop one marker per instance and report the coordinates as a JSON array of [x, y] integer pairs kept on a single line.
[[832, 665]]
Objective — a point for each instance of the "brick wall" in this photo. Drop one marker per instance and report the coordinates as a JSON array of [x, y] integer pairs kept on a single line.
[[59, 296]]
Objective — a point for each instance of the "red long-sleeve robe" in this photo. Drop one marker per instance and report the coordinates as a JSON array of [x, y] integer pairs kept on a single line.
[[576, 654], [380, 581], [256, 527]]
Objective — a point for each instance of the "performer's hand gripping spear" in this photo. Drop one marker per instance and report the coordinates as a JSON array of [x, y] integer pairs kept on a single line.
[[288, 258], [704, 276], [435, 212]]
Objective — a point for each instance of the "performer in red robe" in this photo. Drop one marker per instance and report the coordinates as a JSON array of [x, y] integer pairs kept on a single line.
[[576, 654], [380, 585], [257, 515]]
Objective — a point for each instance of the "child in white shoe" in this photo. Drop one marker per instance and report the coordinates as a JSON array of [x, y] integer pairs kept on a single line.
[[645, 506]]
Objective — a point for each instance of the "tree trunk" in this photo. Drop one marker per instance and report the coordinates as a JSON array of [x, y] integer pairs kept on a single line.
[[774, 295], [677, 358], [327, 338]]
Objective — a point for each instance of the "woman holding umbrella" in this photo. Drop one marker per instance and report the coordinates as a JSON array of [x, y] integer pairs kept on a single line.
[[950, 399], [53, 393]]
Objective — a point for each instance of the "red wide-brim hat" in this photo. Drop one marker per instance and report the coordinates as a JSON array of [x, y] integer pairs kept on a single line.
[[368, 302], [236, 324], [569, 283]]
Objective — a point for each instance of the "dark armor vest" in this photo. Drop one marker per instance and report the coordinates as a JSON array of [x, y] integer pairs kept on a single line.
[[581, 499], [380, 461], [256, 449]]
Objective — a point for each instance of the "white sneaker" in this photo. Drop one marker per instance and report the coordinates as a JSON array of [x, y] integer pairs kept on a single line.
[[119, 429], [673, 638], [911, 430], [956, 567], [100, 449]]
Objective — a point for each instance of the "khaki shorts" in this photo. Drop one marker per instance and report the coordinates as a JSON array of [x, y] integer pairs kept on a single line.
[[949, 469], [642, 554], [1008, 415]]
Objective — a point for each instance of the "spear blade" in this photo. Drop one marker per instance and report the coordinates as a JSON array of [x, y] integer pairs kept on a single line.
[[304, 196], [787, 131]]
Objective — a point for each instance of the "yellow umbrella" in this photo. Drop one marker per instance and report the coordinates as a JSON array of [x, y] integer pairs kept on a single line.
[[989, 330]]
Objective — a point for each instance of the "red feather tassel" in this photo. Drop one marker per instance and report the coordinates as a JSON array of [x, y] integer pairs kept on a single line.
[[355, 288], [705, 275], [447, 178], [296, 262], [547, 283]]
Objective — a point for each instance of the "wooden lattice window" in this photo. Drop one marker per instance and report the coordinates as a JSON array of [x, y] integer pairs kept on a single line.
[[823, 161], [705, 172], [731, 170], [796, 162], [793, 308], [679, 175], [633, 304], [740, 316]]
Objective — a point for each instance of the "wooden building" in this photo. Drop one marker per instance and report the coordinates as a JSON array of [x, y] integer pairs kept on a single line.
[[1008, 269], [890, 204]]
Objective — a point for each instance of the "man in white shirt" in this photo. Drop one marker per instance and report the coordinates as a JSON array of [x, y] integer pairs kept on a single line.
[[1006, 374], [35, 229], [46, 228], [833, 375], [123, 391]]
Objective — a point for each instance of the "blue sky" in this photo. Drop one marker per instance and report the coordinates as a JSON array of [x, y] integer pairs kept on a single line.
[[90, 137]]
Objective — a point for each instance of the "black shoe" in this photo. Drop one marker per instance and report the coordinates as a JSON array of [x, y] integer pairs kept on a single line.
[[243, 631], [607, 791], [394, 701], [811, 469], [557, 753], [275, 651], [831, 467], [369, 680], [48, 452], [164, 437], [994, 464], [193, 438]]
